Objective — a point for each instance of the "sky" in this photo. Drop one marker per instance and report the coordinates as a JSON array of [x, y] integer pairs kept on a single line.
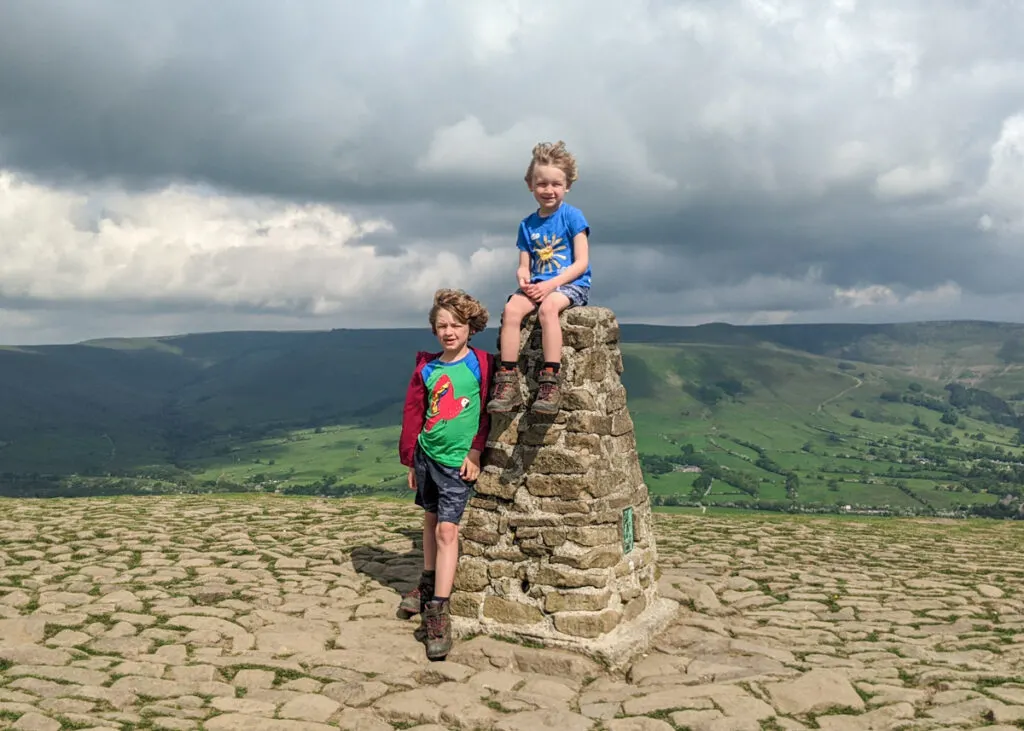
[[181, 166]]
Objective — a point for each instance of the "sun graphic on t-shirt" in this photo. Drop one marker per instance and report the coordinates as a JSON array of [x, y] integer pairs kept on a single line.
[[547, 250]]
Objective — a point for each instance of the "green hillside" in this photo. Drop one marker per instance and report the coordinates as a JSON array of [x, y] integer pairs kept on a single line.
[[772, 417]]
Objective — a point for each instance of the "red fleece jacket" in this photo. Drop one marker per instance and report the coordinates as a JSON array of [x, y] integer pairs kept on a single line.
[[416, 405]]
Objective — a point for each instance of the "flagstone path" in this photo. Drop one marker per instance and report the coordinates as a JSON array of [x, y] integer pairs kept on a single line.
[[272, 614]]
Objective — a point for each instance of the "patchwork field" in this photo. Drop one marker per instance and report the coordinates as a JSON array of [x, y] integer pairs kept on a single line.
[[224, 613]]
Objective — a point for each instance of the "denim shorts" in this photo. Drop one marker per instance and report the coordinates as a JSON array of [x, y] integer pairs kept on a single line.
[[578, 295], [440, 489]]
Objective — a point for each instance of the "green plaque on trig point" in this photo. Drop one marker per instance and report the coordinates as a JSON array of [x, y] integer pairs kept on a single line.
[[627, 530]]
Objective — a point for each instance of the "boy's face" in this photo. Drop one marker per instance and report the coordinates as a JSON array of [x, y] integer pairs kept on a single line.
[[549, 187], [451, 334]]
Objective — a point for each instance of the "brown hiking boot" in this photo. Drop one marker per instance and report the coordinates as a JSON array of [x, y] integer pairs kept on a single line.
[[507, 396], [414, 600], [549, 396], [437, 618]]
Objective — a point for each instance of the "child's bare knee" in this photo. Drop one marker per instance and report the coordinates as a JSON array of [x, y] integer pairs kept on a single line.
[[447, 533], [549, 311], [513, 313]]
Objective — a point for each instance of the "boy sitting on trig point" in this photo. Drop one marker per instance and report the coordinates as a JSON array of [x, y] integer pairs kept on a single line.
[[553, 274]]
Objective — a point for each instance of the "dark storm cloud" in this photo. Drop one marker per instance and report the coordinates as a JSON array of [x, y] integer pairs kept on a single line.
[[758, 154]]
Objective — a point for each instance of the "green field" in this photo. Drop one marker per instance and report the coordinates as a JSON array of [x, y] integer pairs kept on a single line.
[[779, 417]]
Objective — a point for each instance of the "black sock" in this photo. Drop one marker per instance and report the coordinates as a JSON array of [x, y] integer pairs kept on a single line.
[[553, 367], [429, 575], [508, 365], [442, 600]]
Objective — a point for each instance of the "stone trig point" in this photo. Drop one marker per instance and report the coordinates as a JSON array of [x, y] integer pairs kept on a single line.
[[557, 544]]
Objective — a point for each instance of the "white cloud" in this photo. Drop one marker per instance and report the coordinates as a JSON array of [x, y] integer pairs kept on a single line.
[[868, 296], [467, 149], [1002, 194], [197, 249], [880, 295], [909, 180]]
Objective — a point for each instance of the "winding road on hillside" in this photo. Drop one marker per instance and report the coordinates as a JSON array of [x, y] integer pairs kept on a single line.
[[858, 384]]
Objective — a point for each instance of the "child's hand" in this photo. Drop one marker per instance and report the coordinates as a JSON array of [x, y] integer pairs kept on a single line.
[[533, 292], [537, 292], [523, 275], [470, 469], [411, 479]]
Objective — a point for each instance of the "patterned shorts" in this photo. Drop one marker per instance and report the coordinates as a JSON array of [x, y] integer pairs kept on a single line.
[[578, 295], [440, 489]]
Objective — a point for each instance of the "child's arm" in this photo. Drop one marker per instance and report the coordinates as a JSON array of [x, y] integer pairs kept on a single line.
[[523, 272], [471, 465], [412, 417]]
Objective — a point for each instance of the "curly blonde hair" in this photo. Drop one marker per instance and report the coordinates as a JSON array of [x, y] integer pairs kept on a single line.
[[555, 154], [465, 308]]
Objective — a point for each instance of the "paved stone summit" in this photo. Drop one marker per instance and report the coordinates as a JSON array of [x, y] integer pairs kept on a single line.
[[266, 613]]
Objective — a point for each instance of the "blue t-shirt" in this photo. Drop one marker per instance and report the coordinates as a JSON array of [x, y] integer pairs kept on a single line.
[[548, 240]]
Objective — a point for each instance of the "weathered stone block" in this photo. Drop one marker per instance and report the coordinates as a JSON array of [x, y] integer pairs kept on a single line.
[[576, 601], [602, 557], [553, 536], [566, 577], [597, 535], [587, 624], [562, 507], [634, 608], [592, 365], [622, 423], [621, 446], [533, 547], [480, 535], [560, 486], [471, 574], [613, 502], [629, 593], [589, 444], [509, 612], [533, 520], [578, 338], [493, 483], [483, 503], [555, 461], [615, 399], [601, 483], [504, 569], [579, 399], [586, 422], [541, 434], [504, 553], [465, 604], [593, 518]]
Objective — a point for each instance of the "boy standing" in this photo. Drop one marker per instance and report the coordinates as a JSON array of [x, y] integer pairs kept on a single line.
[[553, 274], [444, 432]]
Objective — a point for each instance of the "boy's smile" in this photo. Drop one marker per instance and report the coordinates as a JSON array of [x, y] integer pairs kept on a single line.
[[549, 187], [451, 334]]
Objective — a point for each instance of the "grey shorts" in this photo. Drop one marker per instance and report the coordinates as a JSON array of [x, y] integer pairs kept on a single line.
[[578, 296], [440, 489]]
